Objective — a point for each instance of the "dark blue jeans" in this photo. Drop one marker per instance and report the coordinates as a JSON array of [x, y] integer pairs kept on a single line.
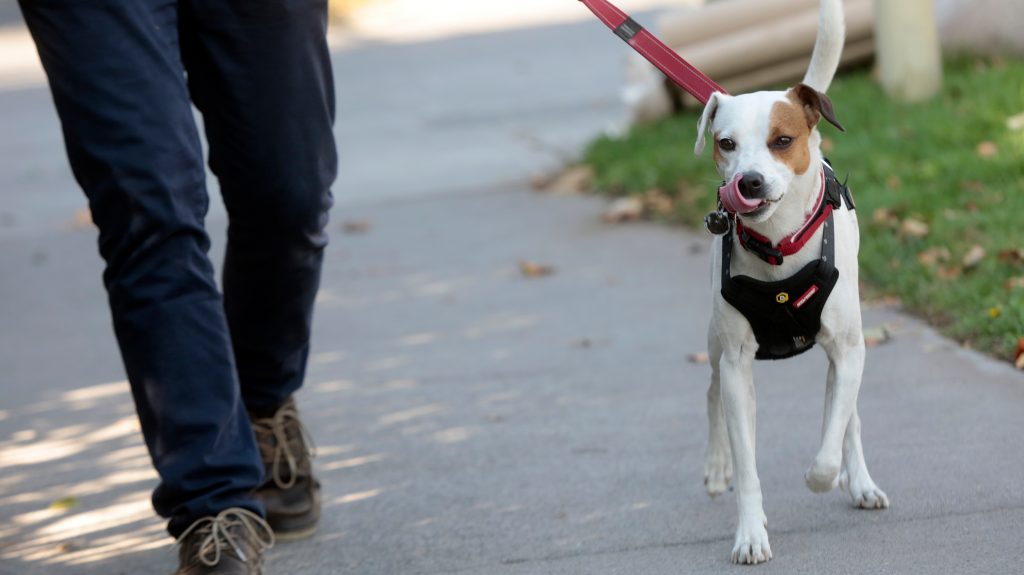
[[123, 74]]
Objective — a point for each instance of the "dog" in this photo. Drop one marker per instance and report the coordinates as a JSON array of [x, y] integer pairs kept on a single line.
[[767, 148]]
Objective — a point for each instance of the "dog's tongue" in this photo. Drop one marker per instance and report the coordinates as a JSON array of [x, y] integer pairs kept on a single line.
[[733, 200]]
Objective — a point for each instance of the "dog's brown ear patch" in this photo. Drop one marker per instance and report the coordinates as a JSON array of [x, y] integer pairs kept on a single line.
[[815, 104], [788, 120]]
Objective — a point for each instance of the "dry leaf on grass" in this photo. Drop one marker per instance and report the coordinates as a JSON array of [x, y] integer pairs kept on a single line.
[[534, 270], [932, 256], [973, 186], [700, 357], [948, 272], [1011, 256], [356, 226], [973, 257], [885, 217], [574, 180], [1015, 123], [987, 149], [623, 210], [658, 202], [1015, 283], [913, 228]]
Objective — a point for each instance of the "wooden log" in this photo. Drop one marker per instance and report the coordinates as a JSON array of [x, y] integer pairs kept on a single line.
[[772, 42], [693, 25], [858, 52]]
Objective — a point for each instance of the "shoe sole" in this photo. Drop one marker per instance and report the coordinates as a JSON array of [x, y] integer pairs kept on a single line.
[[295, 535]]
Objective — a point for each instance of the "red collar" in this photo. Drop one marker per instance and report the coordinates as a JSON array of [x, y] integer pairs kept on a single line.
[[791, 244]]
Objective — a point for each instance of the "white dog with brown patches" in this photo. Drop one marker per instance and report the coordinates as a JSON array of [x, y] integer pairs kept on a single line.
[[784, 206]]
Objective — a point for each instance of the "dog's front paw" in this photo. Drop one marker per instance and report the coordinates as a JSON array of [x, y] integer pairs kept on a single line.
[[717, 472], [822, 477], [751, 545], [864, 493]]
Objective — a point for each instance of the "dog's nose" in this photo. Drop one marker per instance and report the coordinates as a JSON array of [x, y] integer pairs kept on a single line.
[[752, 185]]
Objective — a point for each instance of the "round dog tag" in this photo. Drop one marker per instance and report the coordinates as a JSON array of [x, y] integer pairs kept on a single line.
[[717, 223]]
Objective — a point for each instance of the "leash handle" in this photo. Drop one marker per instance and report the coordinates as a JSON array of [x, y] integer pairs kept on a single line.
[[695, 82]]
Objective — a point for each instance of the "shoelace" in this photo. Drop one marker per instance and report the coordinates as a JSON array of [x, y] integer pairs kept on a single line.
[[217, 534], [277, 428]]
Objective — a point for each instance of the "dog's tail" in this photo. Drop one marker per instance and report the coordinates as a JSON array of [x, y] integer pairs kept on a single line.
[[828, 47]]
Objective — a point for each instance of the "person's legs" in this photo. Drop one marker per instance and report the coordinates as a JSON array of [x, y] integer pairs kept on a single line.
[[117, 81], [260, 73]]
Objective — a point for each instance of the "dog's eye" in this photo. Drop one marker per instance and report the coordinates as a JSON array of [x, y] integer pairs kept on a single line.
[[726, 144], [782, 142]]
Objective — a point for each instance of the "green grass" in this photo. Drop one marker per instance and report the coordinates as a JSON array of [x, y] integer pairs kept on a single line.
[[917, 161]]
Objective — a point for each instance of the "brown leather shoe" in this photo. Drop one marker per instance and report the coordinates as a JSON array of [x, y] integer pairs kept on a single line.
[[290, 493], [232, 543]]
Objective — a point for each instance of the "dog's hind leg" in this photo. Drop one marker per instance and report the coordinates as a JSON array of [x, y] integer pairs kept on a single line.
[[855, 477], [847, 365], [739, 405], [718, 457]]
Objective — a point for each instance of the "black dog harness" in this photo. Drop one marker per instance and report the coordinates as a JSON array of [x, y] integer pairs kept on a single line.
[[786, 315]]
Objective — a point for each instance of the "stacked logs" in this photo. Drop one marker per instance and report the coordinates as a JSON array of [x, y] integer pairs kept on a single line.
[[743, 45]]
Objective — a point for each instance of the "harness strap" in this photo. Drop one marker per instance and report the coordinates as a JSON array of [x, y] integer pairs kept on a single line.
[[828, 248]]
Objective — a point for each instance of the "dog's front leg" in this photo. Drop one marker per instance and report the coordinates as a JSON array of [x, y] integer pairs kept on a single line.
[[739, 403], [847, 366]]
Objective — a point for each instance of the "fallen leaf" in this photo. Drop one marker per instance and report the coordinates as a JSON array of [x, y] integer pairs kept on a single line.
[[894, 183], [534, 270], [540, 181], [973, 186], [72, 545], [1011, 256], [657, 202], [885, 216], [574, 180], [948, 272], [584, 343], [494, 418], [1015, 123], [700, 357], [876, 336], [64, 503], [973, 257], [356, 226], [932, 256], [1018, 361], [913, 228], [1015, 283], [623, 210], [987, 149]]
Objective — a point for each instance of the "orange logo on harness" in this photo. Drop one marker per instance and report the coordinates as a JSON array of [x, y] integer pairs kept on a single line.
[[783, 297]]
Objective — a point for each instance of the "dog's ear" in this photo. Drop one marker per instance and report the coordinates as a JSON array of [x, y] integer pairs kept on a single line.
[[705, 122], [816, 106]]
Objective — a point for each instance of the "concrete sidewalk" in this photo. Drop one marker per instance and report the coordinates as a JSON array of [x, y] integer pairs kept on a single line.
[[470, 419]]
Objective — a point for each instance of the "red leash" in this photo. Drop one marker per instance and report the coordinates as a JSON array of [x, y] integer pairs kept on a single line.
[[664, 58]]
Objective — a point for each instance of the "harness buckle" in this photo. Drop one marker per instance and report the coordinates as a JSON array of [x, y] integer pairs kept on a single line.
[[763, 250]]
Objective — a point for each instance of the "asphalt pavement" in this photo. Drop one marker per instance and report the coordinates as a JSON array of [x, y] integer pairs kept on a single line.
[[470, 419]]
